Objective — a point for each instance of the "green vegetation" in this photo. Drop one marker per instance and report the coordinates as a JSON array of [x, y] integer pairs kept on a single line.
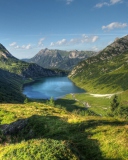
[[78, 127], [10, 87], [52, 132], [103, 76]]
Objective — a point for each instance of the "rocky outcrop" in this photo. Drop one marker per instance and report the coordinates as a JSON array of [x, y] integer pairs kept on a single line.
[[13, 128], [5, 53]]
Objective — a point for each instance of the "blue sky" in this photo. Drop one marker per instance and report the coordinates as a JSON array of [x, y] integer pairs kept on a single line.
[[27, 26]]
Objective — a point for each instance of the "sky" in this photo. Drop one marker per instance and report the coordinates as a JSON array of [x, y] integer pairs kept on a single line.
[[27, 26]]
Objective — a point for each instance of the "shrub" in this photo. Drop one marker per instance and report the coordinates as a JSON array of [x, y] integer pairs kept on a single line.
[[115, 103]]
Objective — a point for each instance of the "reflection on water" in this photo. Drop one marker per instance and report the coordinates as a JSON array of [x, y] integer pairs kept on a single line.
[[48, 87]]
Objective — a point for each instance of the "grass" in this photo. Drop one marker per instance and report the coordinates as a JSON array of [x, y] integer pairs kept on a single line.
[[102, 76], [54, 132]]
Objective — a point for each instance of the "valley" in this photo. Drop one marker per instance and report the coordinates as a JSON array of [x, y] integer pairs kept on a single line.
[[77, 126]]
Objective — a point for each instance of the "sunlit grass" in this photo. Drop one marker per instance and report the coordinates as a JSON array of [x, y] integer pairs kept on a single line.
[[71, 135]]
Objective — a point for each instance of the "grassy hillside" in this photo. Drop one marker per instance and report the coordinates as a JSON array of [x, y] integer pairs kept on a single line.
[[10, 87], [105, 73], [52, 132]]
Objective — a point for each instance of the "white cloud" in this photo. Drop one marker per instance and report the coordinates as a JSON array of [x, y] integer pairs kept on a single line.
[[94, 38], [15, 46], [111, 2], [59, 43], [83, 39], [94, 48], [88, 39], [12, 44], [69, 1], [114, 25], [28, 46], [99, 5], [40, 43], [115, 1]]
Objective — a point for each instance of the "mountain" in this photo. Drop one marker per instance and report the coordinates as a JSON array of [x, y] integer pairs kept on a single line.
[[105, 72], [24, 69], [13, 73], [59, 59]]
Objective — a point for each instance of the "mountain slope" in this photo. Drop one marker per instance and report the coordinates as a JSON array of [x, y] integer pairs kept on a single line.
[[59, 59], [36, 131], [10, 87], [106, 72], [24, 69], [13, 72]]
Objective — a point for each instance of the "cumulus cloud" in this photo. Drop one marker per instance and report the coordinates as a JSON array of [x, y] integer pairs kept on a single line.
[[111, 2], [40, 43], [28, 46], [69, 1], [15, 46], [114, 25], [59, 43], [12, 44], [88, 39], [83, 39]]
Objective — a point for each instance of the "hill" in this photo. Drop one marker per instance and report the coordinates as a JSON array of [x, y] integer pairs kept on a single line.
[[10, 87], [38, 130], [106, 72], [59, 59]]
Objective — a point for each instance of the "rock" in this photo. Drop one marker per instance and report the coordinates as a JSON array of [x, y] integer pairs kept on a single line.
[[14, 128]]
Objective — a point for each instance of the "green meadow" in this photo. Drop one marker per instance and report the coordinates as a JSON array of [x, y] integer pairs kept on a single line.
[[64, 129]]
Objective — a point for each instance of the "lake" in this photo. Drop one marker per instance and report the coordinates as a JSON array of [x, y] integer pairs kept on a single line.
[[55, 87]]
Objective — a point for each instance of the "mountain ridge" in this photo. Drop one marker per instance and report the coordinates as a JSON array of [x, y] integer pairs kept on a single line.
[[24, 69], [104, 72], [60, 59]]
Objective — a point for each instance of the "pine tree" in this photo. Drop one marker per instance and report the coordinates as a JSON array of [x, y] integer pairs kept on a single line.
[[115, 103]]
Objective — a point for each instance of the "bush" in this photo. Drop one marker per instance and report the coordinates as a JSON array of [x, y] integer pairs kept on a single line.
[[46, 149], [115, 103], [122, 112]]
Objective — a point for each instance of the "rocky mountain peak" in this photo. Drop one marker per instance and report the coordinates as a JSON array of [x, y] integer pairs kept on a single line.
[[4, 52], [73, 54]]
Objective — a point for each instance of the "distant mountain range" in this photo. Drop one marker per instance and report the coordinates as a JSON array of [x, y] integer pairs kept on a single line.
[[59, 59], [105, 72]]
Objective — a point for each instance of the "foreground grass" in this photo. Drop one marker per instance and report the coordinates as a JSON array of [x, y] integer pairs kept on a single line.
[[58, 133]]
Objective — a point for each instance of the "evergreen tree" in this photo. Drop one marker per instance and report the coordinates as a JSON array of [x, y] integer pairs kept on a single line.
[[115, 103]]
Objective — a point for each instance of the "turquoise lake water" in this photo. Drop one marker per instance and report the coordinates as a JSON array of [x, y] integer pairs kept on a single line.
[[55, 87]]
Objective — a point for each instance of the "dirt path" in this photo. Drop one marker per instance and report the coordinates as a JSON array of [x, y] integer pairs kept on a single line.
[[102, 95]]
